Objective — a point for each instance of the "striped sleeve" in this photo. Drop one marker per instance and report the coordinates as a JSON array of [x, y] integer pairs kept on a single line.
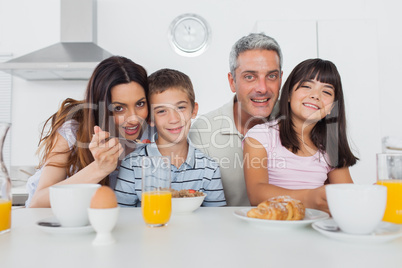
[[212, 185], [125, 184]]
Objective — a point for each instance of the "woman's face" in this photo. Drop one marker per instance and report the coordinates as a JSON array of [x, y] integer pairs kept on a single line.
[[311, 101], [130, 109]]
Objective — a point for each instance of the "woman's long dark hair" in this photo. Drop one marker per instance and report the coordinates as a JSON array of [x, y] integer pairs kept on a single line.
[[94, 110], [329, 134]]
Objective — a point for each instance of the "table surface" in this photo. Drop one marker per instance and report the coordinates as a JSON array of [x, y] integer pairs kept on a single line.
[[208, 237]]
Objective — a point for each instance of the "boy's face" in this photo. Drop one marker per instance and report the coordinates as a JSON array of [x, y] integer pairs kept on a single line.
[[171, 113]]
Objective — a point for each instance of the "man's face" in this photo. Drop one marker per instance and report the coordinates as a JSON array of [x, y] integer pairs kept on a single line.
[[257, 83]]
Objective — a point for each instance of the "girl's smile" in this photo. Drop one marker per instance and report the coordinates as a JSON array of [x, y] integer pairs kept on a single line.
[[312, 106]]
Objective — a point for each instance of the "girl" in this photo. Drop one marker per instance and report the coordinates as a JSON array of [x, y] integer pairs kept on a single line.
[[76, 147], [306, 144]]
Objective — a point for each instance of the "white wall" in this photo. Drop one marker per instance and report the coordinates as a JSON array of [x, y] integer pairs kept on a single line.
[[138, 30]]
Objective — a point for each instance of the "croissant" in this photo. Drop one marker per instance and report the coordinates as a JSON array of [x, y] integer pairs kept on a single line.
[[278, 208], [269, 211]]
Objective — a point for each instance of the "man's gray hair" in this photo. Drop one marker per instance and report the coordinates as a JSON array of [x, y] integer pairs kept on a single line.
[[251, 42]]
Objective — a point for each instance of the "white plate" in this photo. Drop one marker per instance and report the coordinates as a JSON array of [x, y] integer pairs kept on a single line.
[[63, 230], [311, 216], [384, 232]]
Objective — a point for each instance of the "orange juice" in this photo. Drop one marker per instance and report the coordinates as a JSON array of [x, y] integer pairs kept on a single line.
[[393, 211], [5, 215], [156, 207]]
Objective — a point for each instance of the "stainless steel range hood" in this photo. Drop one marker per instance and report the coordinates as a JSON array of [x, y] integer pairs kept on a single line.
[[74, 58]]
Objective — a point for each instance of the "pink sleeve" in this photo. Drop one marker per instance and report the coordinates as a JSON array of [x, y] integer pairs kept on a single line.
[[264, 134]]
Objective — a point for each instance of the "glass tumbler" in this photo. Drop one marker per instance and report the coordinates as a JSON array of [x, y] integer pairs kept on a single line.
[[156, 196], [5, 185], [389, 174]]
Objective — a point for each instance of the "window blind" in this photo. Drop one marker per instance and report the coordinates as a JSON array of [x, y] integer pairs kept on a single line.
[[5, 107]]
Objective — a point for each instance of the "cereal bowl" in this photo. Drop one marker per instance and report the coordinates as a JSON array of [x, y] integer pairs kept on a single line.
[[182, 205]]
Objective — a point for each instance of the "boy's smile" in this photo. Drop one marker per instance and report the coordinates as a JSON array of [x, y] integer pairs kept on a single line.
[[175, 130]]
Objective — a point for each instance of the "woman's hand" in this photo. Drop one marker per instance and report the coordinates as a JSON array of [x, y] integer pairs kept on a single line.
[[105, 151]]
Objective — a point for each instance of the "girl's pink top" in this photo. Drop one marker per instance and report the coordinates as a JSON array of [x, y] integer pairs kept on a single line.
[[285, 169]]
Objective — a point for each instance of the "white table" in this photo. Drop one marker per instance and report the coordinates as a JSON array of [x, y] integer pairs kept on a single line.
[[209, 237]]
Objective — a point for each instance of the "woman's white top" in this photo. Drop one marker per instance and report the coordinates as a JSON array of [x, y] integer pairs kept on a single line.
[[69, 132]]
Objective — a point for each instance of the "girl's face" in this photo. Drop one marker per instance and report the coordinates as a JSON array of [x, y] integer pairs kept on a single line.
[[311, 101], [130, 109]]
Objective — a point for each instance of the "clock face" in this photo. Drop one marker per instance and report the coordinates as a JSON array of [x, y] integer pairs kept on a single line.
[[189, 35]]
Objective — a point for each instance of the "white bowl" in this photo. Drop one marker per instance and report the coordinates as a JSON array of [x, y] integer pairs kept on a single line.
[[186, 204]]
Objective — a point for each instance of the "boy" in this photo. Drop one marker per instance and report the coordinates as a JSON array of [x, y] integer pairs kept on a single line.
[[172, 106]]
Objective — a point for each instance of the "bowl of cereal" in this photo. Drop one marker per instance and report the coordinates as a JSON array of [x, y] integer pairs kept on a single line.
[[186, 201]]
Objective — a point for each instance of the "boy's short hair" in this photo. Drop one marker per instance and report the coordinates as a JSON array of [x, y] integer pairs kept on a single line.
[[165, 79]]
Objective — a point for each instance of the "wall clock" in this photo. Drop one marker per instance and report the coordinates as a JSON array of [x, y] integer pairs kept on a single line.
[[189, 35]]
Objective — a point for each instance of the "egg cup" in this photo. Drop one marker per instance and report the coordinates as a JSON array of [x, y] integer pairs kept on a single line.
[[103, 221]]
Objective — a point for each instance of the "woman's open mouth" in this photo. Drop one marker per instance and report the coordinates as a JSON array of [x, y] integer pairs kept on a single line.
[[131, 130]]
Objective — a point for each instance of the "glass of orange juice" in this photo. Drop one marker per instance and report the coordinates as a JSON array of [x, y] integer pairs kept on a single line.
[[5, 185], [389, 174], [156, 198]]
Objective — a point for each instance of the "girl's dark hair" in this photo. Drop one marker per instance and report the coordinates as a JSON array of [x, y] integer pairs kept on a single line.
[[329, 134], [94, 110]]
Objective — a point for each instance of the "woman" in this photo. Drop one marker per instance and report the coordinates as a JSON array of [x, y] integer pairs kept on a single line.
[[86, 138]]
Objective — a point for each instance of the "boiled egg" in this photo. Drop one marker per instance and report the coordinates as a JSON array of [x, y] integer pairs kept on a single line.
[[104, 197]]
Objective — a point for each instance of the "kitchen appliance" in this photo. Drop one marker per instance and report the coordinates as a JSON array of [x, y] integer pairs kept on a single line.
[[74, 57]]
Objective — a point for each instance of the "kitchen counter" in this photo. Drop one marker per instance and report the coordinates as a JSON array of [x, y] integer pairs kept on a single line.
[[19, 176], [19, 195]]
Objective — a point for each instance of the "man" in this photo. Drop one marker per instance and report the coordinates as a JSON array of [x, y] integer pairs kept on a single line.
[[255, 77]]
